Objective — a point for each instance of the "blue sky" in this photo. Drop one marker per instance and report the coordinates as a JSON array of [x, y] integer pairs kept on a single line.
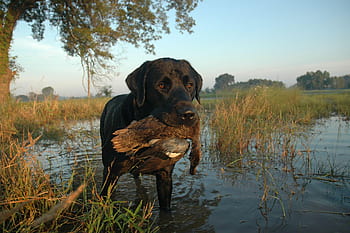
[[273, 39]]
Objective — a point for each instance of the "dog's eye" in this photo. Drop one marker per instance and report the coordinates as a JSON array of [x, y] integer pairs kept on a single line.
[[161, 85], [189, 85]]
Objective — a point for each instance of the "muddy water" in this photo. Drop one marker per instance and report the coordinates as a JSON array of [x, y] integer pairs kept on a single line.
[[309, 194]]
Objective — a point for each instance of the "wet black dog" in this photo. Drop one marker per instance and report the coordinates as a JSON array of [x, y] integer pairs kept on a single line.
[[164, 88]]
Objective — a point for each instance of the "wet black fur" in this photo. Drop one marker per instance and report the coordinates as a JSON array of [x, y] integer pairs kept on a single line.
[[163, 88]]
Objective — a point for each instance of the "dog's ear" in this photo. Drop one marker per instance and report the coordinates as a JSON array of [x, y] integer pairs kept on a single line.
[[136, 82], [199, 81]]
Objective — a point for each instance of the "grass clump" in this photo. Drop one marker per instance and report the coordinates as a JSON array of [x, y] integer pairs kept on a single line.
[[31, 202], [110, 215], [268, 120], [264, 131], [45, 118], [254, 121]]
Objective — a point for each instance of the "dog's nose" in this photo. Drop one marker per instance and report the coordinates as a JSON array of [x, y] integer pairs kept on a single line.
[[187, 115]]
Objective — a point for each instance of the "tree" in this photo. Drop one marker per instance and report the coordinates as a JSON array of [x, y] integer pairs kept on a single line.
[[47, 92], [224, 81], [90, 28], [32, 96], [105, 91], [22, 98], [258, 82], [314, 80]]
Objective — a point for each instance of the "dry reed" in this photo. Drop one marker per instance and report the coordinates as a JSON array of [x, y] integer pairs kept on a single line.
[[268, 120], [28, 197]]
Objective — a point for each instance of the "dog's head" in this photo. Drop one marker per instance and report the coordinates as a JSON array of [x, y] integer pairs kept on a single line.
[[166, 88]]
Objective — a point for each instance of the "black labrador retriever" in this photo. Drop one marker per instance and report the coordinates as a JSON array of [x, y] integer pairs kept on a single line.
[[164, 88]]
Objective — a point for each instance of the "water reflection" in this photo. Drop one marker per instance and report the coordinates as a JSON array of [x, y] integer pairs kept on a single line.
[[250, 195]]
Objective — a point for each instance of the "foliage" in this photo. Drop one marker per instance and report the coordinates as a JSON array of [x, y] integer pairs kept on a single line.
[[22, 98], [227, 82], [47, 91], [105, 91], [89, 29], [321, 80], [224, 81], [258, 82], [15, 67]]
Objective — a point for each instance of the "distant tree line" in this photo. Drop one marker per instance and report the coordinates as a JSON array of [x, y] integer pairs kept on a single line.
[[258, 82], [46, 93], [227, 82], [310, 81], [321, 80]]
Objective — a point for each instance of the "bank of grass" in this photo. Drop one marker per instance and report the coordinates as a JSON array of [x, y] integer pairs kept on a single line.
[[45, 118], [30, 201], [266, 119], [264, 130], [260, 121]]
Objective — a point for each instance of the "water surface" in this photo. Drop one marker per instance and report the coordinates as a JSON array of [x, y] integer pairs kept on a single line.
[[310, 194]]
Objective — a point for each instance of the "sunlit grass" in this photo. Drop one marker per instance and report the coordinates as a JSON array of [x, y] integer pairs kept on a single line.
[[250, 128], [263, 119], [30, 201], [45, 118], [261, 130]]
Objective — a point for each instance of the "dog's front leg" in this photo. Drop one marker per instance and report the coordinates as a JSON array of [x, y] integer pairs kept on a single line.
[[164, 187]]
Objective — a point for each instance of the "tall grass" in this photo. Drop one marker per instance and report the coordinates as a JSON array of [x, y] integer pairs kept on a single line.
[[261, 129], [264, 119], [30, 201], [45, 118]]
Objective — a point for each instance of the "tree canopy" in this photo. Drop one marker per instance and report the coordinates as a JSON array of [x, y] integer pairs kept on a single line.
[[47, 91], [90, 28], [105, 91], [321, 80], [224, 81], [259, 82]]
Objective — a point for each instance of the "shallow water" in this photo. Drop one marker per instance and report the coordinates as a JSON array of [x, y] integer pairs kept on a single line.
[[309, 195]]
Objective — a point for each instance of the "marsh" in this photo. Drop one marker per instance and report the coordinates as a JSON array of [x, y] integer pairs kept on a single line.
[[242, 194]]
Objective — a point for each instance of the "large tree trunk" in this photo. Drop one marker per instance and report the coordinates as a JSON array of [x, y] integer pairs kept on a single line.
[[5, 72], [5, 80], [7, 25]]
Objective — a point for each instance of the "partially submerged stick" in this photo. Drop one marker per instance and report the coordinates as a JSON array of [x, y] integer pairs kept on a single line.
[[5, 214], [55, 210]]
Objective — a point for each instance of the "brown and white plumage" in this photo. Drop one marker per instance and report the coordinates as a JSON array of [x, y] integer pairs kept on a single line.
[[145, 133], [155, 142]]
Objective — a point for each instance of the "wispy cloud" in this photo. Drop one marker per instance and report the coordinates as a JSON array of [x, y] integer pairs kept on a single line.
[[29, 45]]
